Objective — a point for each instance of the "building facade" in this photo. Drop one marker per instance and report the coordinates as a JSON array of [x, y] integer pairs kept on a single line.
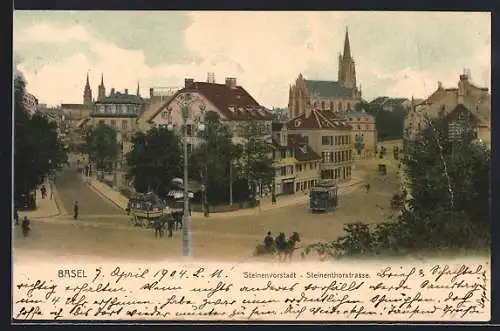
[[329, 137], [119, 111], [364, 131], [295, 163], [337, 96], [30, 103], [443, 101]]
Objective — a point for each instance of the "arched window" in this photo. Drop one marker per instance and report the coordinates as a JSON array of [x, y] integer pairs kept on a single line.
[[322, 105], [348, 106], [331, 105], [340, 106]]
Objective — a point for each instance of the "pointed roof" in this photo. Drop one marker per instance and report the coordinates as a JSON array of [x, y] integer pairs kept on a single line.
[[138, 93], [102, 79], [347, 45], [87, 84]]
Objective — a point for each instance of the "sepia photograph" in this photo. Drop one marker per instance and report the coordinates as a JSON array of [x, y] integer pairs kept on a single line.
[[275, 139]]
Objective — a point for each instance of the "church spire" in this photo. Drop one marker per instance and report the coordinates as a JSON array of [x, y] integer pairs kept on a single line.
[[87, 92], [101, 90], [347, 45], [138, 93]]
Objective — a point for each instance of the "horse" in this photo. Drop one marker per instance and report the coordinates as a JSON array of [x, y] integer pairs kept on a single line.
[[159, 227], [286, 248]]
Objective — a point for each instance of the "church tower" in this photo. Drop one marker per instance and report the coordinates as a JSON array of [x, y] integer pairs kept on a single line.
[[347, 68], [102, 90], [87, 93]]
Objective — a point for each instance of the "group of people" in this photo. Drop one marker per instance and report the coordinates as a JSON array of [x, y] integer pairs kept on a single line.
[[25, 224], [269, 241]]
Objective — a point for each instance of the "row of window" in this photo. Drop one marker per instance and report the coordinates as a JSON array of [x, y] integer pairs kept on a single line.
[[113, 124], [303, 167], [336, 140], [334, 157], [282, 154], [113, 108], [323, 105], [338, 173]]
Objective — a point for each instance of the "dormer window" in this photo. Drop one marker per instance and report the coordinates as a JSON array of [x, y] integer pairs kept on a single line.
[[460, 116], [297, 123]]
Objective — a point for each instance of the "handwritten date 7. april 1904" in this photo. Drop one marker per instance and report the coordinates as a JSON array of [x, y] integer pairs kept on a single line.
[[409, 292]]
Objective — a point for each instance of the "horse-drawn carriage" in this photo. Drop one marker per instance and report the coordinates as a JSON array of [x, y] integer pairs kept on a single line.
[[146, 209]]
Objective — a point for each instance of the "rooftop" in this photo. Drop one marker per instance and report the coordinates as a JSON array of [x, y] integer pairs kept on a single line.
[[233, 103], [317, 120], [329, 89]]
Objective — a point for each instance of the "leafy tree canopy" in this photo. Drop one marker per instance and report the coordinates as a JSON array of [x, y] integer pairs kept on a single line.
[[38, 150], [101, 146], [155, 159], [447, 199]]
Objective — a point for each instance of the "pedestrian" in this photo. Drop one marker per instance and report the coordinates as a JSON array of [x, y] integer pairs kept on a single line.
[[170, 225], [43, 190], [26, 226], [16, 216], [273, 199], [367, 186], [75, 210]]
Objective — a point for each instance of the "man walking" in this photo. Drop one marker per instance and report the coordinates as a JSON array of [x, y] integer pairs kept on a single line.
[[75, 210]]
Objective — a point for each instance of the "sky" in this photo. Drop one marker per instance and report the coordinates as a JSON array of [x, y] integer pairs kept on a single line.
[[398, 54]]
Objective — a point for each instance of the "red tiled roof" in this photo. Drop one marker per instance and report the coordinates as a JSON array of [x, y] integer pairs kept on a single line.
[[298, 142], [234, 103], [317, 120]]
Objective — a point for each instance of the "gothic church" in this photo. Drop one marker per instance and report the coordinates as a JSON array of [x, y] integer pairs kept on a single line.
[[337, 96]]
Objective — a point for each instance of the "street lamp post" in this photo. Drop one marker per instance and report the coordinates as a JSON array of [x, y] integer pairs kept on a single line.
[[185, 105]]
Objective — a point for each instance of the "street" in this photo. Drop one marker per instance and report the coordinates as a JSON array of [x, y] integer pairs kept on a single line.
[[70, 189], [109, 234]]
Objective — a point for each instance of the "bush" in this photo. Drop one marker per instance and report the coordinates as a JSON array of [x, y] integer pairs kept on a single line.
[[126, 191]]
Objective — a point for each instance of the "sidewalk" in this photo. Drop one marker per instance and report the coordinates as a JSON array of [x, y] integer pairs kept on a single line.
[[265, 204], [46, 208], [106, 192]]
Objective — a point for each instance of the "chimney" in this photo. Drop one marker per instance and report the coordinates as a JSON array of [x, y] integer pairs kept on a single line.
[[440, 85], [211, 78], [188, 82], [126, 91], [151, 94], [231, 82]]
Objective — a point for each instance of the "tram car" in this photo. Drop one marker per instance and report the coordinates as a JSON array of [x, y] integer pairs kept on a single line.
[[323, 197], [145, 208]]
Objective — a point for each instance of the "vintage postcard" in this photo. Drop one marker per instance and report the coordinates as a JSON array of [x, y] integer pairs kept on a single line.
[[251, 166]]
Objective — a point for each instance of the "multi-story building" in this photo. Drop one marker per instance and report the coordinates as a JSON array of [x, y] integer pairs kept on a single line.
[[30, 103], [363, 130], [468, 100], [295, 163], [120, 111], [329, 137], [231, 102], [338, 96]]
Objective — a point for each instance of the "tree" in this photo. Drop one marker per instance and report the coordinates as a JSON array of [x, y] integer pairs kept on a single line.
[[101, 146], [389, 124], [38, 150], [359, 143], [446, 201], [155, 159], [211, 161], [256, 162]]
